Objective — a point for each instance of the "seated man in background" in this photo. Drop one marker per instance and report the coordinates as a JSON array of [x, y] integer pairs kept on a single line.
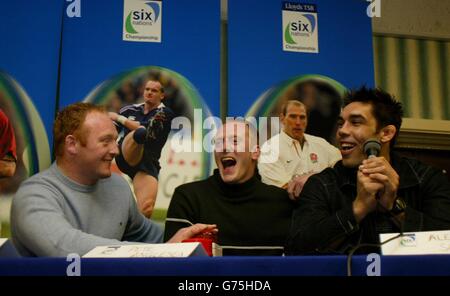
[[298, 155], [253, 217], [8, 155], [351, 204], [77, 204], [145, 127]]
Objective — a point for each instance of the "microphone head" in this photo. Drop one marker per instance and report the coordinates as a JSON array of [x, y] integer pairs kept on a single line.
[[372, 147]]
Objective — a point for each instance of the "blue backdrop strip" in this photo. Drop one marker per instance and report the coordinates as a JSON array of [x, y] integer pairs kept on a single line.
[[29, 51], [256, 60], [93, 49]]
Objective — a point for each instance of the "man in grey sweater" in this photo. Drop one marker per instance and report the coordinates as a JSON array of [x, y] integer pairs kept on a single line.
[[77, 204]]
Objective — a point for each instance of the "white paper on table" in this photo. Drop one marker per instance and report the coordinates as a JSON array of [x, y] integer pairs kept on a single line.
[[147, 251], [417, 243]]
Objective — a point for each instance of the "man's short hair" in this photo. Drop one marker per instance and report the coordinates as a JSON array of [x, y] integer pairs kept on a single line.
[[69, 121], [385, 108], [286, 105]]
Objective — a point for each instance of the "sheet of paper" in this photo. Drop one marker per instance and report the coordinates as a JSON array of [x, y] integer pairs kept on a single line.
[[147, 251], [417, 243]]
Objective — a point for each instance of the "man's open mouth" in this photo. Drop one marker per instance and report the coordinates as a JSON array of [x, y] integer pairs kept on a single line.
[[346, 147], [228, 162]]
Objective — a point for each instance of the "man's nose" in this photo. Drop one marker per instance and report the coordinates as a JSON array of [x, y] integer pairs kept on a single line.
[[343, 130], [228, 147], [114, 149]]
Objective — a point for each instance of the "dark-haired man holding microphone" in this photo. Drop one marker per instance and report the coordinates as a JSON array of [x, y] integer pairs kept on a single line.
[[363, 196]]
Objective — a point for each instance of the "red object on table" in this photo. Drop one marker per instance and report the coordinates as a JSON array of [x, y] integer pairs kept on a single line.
[[206, 239]]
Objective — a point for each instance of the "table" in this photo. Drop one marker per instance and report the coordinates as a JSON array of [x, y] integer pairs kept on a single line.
[[230, 266]]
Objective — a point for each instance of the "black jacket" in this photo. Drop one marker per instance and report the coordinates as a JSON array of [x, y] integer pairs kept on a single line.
[[323, 221]]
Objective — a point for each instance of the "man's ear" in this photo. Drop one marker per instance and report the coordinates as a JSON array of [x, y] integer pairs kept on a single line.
[[387, 133], [255, 151], [71, 144]]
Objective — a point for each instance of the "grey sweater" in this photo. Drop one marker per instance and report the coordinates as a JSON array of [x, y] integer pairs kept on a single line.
[[51, 215]]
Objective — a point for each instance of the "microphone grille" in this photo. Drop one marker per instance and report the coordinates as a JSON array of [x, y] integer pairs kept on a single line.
[[372, 145]]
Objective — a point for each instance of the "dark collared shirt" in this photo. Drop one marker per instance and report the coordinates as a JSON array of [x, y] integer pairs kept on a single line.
[[155, 141], [323, 221]]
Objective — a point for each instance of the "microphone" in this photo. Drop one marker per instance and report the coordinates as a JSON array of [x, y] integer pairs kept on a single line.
[[372, 147]]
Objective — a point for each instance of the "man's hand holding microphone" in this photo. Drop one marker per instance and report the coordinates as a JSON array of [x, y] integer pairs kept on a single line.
[[377, 182]]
